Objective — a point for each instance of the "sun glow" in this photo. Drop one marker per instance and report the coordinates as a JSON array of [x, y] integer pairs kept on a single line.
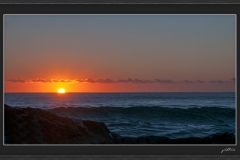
[[61, 90]]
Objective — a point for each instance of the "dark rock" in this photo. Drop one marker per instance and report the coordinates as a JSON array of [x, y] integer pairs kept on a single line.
[[36, 126], [115, 135]]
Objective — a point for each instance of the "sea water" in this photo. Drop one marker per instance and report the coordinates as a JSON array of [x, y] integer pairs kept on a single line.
[[174, 115]]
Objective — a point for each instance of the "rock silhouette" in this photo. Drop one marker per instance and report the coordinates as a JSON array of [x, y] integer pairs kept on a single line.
[[37, 126]]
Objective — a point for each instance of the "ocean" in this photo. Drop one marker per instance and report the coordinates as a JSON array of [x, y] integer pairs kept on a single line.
[[173, 114]]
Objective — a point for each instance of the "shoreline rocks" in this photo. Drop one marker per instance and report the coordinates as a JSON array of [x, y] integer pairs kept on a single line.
[[37, 126]]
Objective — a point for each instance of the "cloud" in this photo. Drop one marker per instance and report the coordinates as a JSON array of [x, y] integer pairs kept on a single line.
[[129, 80], [55, 80], [49, 81], [65, 80], [216, 81], [138, 81], [163, 81], [108, 81], [16, 80], [125, 80], [188, 82], [122, 81], [39, 80], [199, 81], [88, 80]]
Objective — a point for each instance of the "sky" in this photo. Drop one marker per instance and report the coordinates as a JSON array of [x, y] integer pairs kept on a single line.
[[119, 53]]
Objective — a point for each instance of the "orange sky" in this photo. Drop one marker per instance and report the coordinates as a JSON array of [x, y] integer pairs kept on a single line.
[[127, 53]]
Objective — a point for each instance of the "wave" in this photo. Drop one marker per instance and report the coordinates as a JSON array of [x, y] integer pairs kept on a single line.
[[169, 100], [196, 114], [48, 128], [163, 121], [156, 121], [142, 106]]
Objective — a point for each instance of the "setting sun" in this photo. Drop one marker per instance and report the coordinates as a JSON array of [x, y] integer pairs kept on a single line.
[[61, 90]]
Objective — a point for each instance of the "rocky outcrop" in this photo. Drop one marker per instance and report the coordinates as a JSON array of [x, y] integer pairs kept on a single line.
[[37, 126]]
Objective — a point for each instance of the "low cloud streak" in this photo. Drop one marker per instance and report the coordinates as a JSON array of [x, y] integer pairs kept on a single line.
[[16, 80], [111, 81]]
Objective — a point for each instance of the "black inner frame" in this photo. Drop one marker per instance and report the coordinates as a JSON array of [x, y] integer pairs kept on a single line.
[[117, 9]]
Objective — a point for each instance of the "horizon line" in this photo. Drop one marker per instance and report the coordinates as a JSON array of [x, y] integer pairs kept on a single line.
[[136, 92]]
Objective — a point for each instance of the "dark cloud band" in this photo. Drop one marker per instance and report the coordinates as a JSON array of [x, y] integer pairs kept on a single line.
[[129, 80]]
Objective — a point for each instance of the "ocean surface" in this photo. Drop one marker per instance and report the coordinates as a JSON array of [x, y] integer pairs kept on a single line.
[[174, 115]]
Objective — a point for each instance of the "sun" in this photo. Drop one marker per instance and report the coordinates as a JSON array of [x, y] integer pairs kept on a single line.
[[61, 90]]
